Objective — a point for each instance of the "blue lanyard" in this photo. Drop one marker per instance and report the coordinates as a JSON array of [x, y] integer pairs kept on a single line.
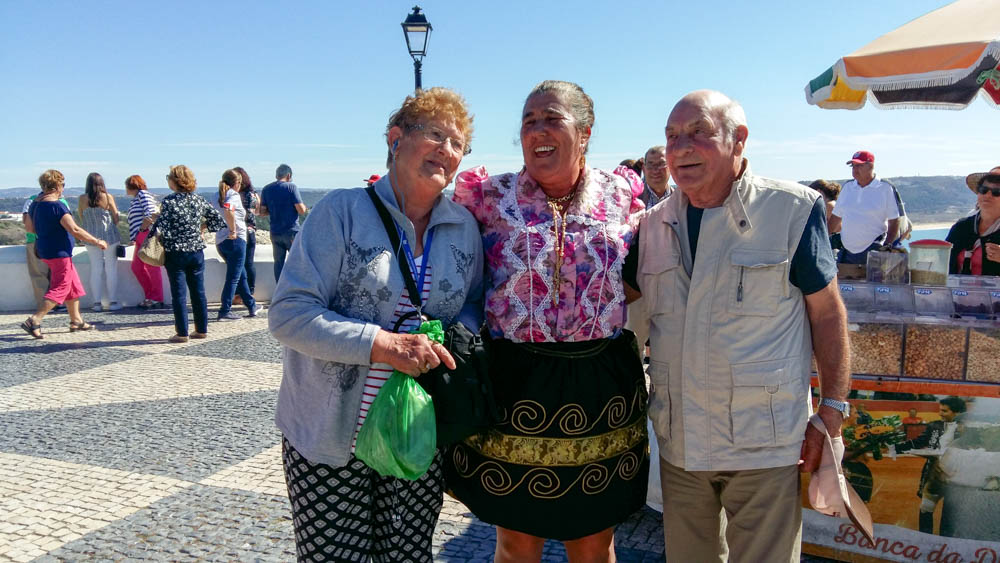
[[422, 272]]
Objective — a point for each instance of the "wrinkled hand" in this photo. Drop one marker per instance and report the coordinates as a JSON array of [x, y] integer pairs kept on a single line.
[[812, 446], [412, 354]]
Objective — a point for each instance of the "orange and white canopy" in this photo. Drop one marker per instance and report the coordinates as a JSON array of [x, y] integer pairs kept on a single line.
[[940, 60]]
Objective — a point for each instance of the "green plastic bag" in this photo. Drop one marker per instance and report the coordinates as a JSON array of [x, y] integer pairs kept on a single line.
[[399, 436]]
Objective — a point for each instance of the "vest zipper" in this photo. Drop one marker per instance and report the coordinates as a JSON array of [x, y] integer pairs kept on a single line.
[[739, 288]]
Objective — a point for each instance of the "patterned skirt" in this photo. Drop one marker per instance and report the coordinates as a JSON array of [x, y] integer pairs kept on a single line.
[[570, 455]]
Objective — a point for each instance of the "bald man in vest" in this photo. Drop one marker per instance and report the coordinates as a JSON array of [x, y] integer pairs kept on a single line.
[[738, 286]]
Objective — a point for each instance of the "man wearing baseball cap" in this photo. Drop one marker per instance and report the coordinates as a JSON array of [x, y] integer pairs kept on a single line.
[[867, 212]]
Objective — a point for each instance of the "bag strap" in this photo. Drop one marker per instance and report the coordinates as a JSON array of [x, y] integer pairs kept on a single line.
[[390, 229]]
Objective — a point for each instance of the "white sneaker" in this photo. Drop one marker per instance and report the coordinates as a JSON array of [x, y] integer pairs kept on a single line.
[[115, 306], [97, 308]]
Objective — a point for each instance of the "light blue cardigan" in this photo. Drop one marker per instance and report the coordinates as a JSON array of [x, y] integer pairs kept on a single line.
[[340, 284]]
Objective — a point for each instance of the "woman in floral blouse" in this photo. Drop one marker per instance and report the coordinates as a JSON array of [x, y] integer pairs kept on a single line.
[[179, 225], [568, 459]]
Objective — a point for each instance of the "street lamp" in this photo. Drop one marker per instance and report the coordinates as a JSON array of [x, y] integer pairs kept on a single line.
[[417, 31]]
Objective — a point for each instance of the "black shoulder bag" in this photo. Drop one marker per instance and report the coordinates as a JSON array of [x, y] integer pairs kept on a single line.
[[463, 397]]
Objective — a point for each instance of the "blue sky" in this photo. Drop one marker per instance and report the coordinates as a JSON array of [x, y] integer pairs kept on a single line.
[[132, 87]]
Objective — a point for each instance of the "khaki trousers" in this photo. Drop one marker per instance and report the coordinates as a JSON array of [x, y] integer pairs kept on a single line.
[[750, 515], [38, 272]]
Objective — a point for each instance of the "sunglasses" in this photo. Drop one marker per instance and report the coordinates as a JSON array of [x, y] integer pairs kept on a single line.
[[983, 190]]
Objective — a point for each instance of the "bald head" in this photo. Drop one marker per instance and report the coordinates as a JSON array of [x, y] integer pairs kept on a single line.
[[706, 135]]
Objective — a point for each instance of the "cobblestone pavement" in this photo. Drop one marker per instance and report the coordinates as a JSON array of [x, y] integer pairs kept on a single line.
[[117, 445]]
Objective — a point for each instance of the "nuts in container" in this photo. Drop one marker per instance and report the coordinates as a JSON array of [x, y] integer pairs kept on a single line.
[[984, 355], [876, 349], [934, 352]]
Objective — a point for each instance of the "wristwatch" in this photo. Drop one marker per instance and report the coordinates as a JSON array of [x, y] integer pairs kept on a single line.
[[843, 406]]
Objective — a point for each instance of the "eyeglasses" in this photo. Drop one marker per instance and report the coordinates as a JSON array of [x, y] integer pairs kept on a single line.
[[983, 189], [439, 137]]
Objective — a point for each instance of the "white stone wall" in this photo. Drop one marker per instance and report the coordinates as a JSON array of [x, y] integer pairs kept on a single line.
[[16, 294]]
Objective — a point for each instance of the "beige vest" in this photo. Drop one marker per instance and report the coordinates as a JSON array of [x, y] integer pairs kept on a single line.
[[729, 338]]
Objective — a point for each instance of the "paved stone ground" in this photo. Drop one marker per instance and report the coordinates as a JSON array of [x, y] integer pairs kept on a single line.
[[116, 445]]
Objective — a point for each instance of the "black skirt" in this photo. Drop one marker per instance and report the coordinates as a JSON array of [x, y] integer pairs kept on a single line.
[[570, 456]]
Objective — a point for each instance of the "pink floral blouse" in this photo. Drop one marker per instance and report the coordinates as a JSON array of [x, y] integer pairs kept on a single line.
[[519, 246]]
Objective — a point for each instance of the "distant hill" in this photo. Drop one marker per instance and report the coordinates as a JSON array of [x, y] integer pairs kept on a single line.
[[928, 198]]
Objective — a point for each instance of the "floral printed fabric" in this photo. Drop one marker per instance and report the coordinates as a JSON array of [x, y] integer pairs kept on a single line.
[[181, 216], [519, 246]]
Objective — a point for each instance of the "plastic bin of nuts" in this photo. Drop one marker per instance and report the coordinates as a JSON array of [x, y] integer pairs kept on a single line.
[[934, 352], [984, 355], [876, 349]]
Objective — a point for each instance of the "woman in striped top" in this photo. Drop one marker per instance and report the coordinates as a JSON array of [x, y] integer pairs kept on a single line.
[[99, 217], [341, 293], [149, 277]]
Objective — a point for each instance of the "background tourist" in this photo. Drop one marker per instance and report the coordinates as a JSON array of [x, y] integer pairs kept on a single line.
[[99, 217], [567, 376], [976, 239], [251, 205], [231, 242], [179, 223], [38, 272], [830, 192], [339, 296], [280, 200], [50, 219], [656, 176], [143, 205], [866, 214]]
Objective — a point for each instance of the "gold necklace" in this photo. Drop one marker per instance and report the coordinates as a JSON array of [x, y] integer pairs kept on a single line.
[[559, 232]]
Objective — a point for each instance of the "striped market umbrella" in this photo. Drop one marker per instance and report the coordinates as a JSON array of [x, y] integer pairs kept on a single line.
[[940, 60]]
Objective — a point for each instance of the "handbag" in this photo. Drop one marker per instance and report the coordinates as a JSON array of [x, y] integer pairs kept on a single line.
[[152, 251], [120, 251], [463, 398]]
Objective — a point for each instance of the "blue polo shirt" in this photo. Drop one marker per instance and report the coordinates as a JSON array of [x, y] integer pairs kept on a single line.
[[280, 199]]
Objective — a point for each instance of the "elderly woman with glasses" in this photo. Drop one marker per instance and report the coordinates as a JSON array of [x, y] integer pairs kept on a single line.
[[568, 459], [975, 239], [335, 310]]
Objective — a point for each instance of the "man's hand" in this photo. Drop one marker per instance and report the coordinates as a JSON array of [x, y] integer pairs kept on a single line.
[[812, 446]]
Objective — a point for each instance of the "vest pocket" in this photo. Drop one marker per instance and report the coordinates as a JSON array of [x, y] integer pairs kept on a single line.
[[768, 404], [758, 281], [658, 281], [659, 398]]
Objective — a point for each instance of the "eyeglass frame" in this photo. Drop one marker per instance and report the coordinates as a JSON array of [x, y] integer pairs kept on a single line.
[[982, 189], [427, 130]]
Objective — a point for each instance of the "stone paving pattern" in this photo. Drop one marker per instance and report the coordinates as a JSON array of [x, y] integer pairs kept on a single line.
[[117, 445]]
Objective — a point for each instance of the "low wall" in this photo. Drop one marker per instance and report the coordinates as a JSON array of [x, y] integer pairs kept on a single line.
[[18, 296]]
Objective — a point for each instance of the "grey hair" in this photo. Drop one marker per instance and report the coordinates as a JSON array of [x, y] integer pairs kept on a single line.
[[580, 105], [733, 117], [282, 171]]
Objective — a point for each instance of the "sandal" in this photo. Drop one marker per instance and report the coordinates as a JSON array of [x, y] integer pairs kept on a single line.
[[146, 304], [32, 328], [82, 325]]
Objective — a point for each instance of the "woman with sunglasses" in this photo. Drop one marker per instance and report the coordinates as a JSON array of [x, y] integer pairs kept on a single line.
[[975, 239]]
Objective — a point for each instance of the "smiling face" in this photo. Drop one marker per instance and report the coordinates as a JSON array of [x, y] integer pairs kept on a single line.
[[988, 203], [552, 145], [703, 156], [654, 168], [422, 165]]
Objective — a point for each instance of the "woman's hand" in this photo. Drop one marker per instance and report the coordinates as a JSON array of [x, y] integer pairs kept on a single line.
[[992, 251], [412, 354], [102, 245]]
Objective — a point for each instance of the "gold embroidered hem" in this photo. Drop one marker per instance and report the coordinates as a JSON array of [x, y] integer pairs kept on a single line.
[[558, 452]]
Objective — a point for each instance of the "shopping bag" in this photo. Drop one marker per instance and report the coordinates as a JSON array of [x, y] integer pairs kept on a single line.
[[398, 437]]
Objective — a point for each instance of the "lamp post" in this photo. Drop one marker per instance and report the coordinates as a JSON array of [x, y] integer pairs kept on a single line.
[[416, 30]]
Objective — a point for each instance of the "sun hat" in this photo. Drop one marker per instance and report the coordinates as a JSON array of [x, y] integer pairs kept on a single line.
[[972, 180]]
